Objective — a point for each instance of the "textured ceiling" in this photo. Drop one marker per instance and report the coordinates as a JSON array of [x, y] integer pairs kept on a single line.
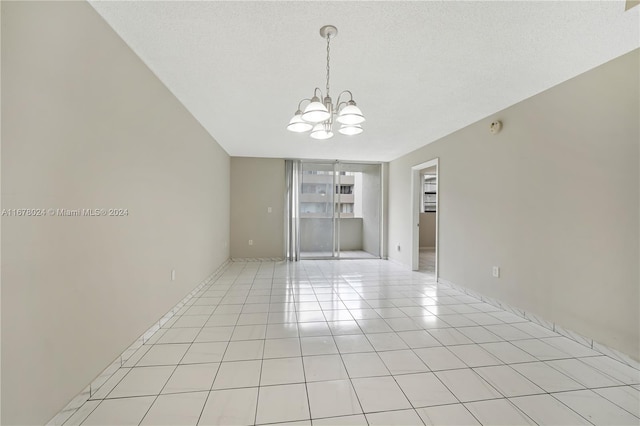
[[418, 70]]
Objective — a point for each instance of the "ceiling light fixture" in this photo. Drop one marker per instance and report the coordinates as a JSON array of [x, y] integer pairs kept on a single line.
[[318, 115]]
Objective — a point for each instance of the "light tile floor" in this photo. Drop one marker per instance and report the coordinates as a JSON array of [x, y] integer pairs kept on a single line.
[[427, 260], [354, 343], [344, 254]]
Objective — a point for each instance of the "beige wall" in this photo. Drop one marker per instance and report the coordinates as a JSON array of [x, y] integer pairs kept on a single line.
[[553, 200], [256, 185], [427, 230], [85, 124]]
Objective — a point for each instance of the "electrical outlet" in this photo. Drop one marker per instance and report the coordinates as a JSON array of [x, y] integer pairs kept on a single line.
[[250, 242], [269, 210], [495, 271], [173, 275]]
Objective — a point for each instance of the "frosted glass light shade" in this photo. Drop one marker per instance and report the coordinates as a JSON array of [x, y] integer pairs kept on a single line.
[[350, 130], [315, 112], [350, 114], [320, 132], [298, 125]]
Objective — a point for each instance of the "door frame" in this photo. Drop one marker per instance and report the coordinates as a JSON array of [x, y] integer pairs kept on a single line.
[[416, 197]]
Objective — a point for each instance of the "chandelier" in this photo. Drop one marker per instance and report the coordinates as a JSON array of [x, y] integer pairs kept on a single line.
[[318, 116]]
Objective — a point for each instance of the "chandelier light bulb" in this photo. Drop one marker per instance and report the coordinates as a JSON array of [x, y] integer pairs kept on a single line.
[[351, 130], [321, 131], [350, 114], [298, 125], [315, 112]]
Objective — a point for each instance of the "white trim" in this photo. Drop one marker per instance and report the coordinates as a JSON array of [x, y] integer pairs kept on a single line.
[[257, 259], [416, 192]]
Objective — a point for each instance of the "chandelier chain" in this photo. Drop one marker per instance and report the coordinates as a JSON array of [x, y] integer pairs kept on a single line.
[[328, 68]]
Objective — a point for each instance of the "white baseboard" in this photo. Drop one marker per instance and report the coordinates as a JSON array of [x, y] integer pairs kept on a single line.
[[102, 378], [585, 341], [257, 259], [399, 263]]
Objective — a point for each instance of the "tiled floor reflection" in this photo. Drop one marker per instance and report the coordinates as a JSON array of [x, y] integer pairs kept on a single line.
[[427, 260], [354, 343]]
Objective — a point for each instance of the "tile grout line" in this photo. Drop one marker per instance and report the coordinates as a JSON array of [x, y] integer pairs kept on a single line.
[[316, 285], [211, 390], [264, 344], [503, 396], [182, 358], [619, 356], [344, 365], [428, 368], [195, 292], [66, 413]]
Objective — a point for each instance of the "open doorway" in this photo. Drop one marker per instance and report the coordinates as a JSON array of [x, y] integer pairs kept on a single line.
[[424, 204], [427, 221]]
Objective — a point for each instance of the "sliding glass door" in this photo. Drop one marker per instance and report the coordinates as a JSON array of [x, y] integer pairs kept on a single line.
[[339, 207], [317, 211]]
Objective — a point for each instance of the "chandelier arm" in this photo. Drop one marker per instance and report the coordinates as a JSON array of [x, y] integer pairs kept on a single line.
[[315, 92], [300, 103], [342, 93], [339, 104], [346, 91]]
